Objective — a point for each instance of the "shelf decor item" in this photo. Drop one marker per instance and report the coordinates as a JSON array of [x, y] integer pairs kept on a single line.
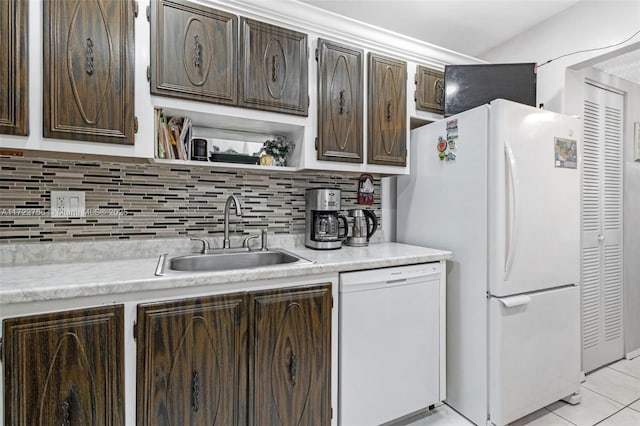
[[278, 148]]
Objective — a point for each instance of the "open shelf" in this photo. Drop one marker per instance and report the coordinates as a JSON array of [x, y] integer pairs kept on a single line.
[[221, 165], [249, 130]]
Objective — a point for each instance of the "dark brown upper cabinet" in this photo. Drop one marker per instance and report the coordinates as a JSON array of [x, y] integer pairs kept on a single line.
[[290, 364], [192, 362], [65, 368], [193, 52], [387, 121], [273, 68], [88, 87], [429, 90], [14, 93], [340, 102]]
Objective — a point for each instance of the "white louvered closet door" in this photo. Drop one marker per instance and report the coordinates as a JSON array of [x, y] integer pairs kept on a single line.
[[602, 298]]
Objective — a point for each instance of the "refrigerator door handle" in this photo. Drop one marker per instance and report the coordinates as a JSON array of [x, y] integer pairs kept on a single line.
[[513, 301], [513, 195]]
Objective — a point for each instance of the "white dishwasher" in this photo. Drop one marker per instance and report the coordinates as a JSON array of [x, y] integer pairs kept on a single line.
[[390, 343]]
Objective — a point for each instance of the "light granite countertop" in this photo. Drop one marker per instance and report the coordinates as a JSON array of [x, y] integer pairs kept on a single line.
[[63, 280]]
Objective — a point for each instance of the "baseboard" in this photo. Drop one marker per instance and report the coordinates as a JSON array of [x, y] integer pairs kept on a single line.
[[632, 354]]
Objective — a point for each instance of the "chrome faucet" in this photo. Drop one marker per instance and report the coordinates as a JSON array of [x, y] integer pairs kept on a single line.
[[232, 198]]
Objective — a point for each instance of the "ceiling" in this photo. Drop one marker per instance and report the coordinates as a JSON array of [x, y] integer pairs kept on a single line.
[[625, 66], [472, 27]]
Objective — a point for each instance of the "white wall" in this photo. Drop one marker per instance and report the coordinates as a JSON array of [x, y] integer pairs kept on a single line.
[[587, 25]]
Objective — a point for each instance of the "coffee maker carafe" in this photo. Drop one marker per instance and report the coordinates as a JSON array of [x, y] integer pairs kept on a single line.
[[323, 229]]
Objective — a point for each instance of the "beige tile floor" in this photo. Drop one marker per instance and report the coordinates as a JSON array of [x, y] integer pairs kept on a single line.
[[610, 397]]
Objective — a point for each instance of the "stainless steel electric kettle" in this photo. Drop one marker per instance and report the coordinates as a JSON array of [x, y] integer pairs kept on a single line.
[[363, 226]]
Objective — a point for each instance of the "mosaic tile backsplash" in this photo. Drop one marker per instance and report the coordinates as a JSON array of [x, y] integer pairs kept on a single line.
[[127, 201]]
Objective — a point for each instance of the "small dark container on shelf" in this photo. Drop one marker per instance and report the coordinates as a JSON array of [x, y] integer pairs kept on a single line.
[[199, 149]]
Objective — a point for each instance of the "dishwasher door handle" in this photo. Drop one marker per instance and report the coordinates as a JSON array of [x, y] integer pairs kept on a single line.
[[398, 281]]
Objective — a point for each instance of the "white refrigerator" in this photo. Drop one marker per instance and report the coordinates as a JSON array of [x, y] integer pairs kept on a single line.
[[499, 186]]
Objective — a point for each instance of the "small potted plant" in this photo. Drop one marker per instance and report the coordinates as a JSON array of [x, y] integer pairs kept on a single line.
[[278, 149]]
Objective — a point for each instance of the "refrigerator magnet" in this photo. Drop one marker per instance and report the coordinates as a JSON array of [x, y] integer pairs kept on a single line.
[[566, 153], [442, 144]]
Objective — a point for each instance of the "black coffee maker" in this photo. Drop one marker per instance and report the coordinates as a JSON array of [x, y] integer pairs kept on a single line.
[[323, 230]]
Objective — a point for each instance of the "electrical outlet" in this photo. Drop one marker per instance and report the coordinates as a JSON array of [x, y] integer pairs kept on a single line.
[[67, 204]]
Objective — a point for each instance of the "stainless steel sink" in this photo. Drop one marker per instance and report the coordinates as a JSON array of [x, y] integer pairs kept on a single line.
[[225, 261]]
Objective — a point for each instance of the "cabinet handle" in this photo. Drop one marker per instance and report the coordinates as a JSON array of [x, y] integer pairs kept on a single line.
[[275, 68], [89, 56], [70, 406], [197, 51], [65, 414], [293, 366], [341, 102], [195, 392], [439, 89], [389, 110]]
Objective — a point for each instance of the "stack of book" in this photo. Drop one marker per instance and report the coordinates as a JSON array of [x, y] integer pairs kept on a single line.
[[172, 137]]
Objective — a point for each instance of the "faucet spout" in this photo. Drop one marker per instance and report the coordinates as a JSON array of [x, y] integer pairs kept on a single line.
[[231, 199]]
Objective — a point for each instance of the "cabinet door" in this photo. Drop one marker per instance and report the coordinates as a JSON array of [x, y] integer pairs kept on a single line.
[[14, 99], [193, 52], [273, 68], [65, 368], [429, 90], [339, 102], [387, 111], [192, 362], [290, 363], [88, 89]]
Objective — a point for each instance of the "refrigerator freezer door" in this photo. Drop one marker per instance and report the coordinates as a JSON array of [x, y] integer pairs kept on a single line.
[[534, 199], [534, 351]]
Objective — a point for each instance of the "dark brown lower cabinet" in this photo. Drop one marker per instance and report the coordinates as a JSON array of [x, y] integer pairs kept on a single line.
[[191, 362], [290, 365], [261, 358], [65, 368]]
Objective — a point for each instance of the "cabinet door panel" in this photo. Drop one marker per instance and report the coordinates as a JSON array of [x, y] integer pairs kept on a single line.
[[290, 363], [387, 111], [14, 94], [429, 90], [193, 52], [192, 362], [339, 102], [88, 89], [273, 68], [65, 368]]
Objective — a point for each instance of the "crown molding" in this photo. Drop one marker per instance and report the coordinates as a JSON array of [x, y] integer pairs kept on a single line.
[[307, 18]]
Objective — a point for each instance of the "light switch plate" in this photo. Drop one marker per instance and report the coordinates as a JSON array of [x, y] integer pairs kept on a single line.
[[67, 204]]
